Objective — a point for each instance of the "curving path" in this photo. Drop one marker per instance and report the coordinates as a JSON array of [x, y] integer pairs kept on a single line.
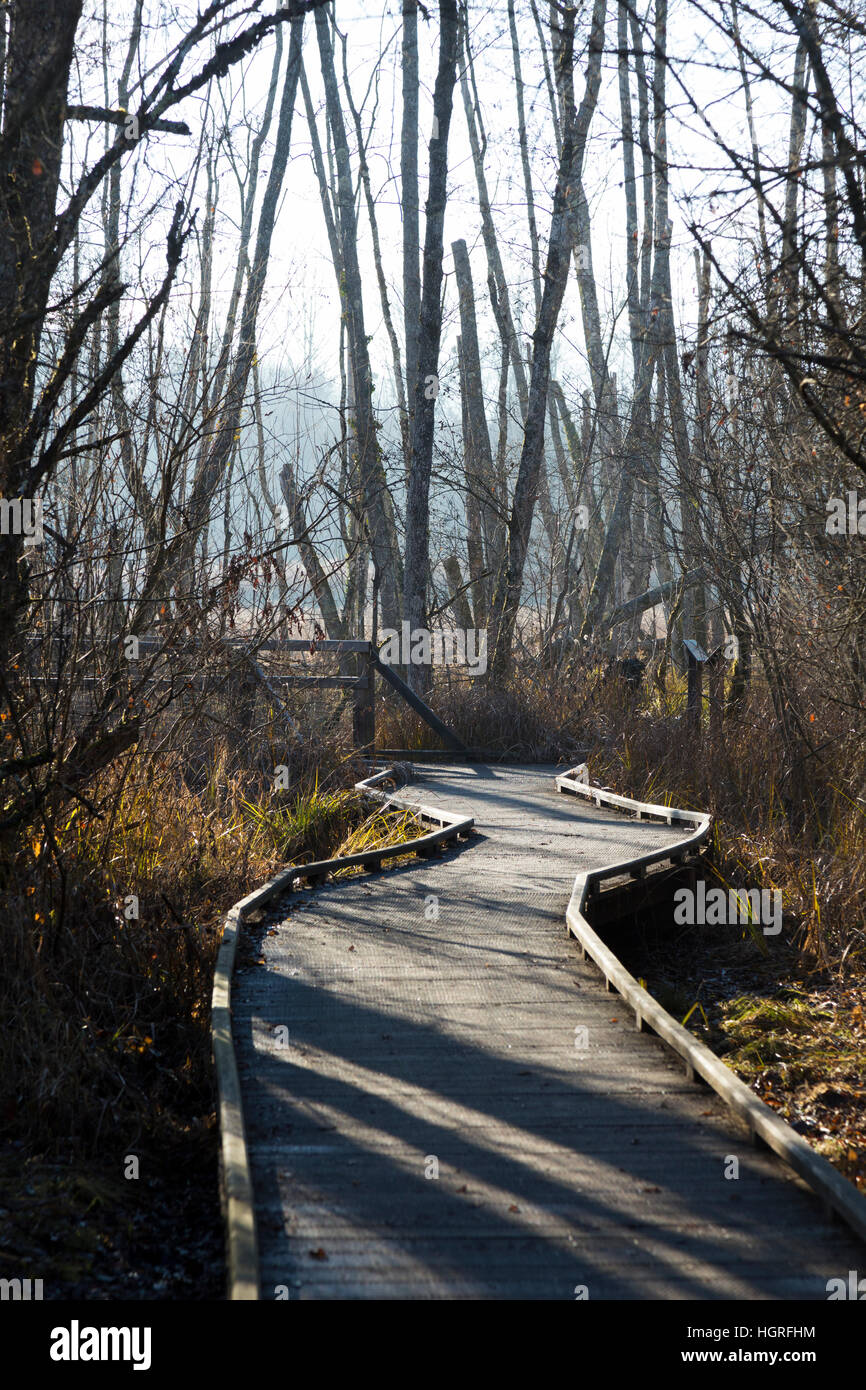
[[440, 1021]]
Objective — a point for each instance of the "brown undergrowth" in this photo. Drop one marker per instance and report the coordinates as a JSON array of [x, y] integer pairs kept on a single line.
[[111, 919]]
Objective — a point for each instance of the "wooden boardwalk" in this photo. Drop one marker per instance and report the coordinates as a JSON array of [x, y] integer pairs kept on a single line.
[[460, 1110]]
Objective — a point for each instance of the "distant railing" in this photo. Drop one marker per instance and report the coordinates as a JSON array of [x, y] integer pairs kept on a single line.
[[361, 681]]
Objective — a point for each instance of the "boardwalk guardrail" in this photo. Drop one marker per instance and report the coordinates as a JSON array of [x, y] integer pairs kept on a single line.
[[837, 1193]]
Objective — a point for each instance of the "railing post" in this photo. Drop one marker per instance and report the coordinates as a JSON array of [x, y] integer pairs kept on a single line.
[[716, 693], [697, 657], [364, 710], [693, 699]]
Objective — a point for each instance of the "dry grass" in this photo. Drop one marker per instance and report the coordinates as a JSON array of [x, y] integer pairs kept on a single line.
[[111, 930], [386, 826], [535, 719], [810, 849], [104, 1014], [802, 1052]]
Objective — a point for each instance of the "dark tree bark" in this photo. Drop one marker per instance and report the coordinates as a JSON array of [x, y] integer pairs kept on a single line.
[[38, 60]]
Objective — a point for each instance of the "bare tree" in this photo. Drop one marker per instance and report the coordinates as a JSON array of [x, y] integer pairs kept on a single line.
[[427, 381], [377, 500]]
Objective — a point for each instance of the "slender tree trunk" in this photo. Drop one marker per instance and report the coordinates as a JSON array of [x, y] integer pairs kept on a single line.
[[216, 462], [632, 248], [474, 543], [578, 208], [364, 170], [647, 164], [38, 58], [319, 582], [524, 157], [426, 386], [506, 601], [497, 283], [377, 501], [479, 455], [790, 271], [410, 202]]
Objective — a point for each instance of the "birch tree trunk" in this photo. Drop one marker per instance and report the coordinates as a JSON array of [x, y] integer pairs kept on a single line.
[[632, 248], [577, 206], [796, 136]]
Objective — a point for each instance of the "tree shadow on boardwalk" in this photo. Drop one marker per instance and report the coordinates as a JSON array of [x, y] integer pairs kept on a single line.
[[545, 1182]]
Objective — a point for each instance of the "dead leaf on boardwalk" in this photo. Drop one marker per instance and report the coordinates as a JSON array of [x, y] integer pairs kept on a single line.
[[319, 1254]]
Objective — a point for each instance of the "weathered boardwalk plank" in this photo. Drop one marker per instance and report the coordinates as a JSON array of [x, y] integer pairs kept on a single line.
[[431, 1015]]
